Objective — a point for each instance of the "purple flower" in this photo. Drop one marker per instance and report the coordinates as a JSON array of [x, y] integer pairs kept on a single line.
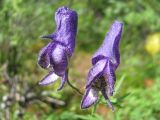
[[57, 53], [105, 61]]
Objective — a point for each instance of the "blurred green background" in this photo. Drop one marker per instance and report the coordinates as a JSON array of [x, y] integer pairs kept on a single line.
[[137, 95]]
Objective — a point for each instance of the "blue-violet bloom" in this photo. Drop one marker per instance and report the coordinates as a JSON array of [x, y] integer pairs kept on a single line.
[[105, 61], [57, 53]]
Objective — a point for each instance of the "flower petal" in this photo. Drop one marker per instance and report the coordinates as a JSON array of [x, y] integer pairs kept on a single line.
[[104, 93], [63, 81], [48, 79], [43, 57], [90, 97], [110, 76], [96, 71]]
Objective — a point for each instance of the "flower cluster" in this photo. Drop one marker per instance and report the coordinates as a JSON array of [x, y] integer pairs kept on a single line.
[[56, 55]]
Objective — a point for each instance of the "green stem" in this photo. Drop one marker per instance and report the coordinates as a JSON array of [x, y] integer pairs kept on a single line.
[[76, 89], [95, 106]]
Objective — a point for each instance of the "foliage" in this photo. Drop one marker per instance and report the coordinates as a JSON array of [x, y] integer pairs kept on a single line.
[[143, 104], [73, 116]]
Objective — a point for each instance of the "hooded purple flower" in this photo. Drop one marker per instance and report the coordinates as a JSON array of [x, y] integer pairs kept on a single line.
[[57, 53], [105, 61]]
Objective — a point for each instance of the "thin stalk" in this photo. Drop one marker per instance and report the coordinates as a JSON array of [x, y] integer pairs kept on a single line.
[[76, 89]]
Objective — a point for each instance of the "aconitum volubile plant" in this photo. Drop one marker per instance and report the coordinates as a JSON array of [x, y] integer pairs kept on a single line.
[[57, 53]]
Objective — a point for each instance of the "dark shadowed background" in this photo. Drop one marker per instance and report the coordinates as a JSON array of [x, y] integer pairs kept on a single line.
[[137, 95]]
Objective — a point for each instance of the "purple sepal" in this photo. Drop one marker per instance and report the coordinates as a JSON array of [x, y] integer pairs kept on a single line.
[[63, 81], [48, 79], [110, 77], [104, 93], [110, 46], [95, 72], [43, 57], [90, 97]]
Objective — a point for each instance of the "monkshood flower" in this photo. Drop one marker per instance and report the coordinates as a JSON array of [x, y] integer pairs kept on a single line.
[[105, 61], [57, 53]]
